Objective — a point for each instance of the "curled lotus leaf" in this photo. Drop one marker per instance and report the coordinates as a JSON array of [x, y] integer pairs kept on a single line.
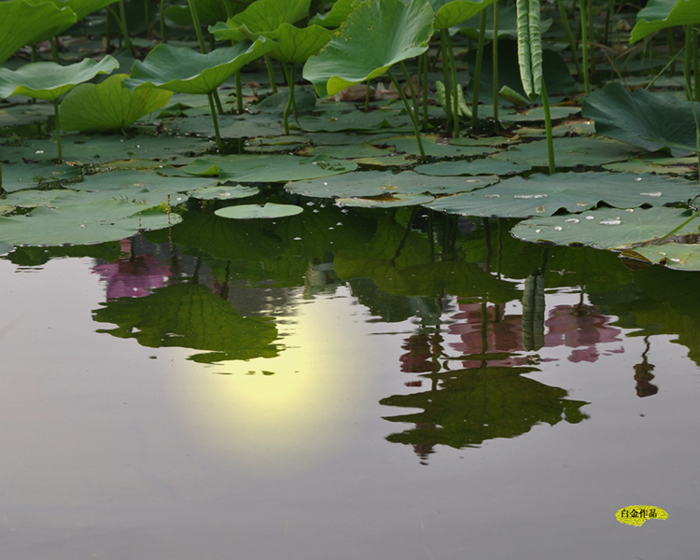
[[339, 12], [660, 14]]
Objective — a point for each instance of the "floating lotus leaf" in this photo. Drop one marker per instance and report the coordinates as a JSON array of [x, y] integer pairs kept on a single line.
[[348, 152], [355, 121], [677, 256], [109, 105], [386, 162], [304, 97], [339, 12], [190, 316], [183, 70], [48, 80], [230, 126], [379, 183], [434, 146], [388, 200], [21, 21], [483, 166], [256, 211], [660, 14], [449, 13], [223, 192], [607, 228], [375, 36], [543, 195], [570, 152], [265, 168], [5, 248], [650, 166], [20, 176], [259, 17], [649, 120]]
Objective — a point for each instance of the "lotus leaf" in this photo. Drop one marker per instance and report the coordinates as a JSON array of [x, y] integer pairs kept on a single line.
[[20, 176], [208, 11], [434, 146], [482, 166], [230, 126], [606, 228], [304, 97], [677, 256], [109, 105], [223, 192], [388, 200], [21, 21], [183, 70], [544, 195], [379, 183], [390, 121], [295, 45], [375, 36], [80, 9], [48, 80], [507, 24], [651, 166], [347, 152], [649, 120], [261, 16], [339, 12], [268, 168], [659, 14], [255, 211], [449, 13]]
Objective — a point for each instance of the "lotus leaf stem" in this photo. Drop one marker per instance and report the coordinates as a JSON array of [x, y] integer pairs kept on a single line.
[[494, 48], [289, 75], [239, 93], [124, 29], [410, 114], [426, 62], [58, 130], [687, 62], [548, 127], [197, 26], [53, 42], [446, 76], [367, 97], [161, 16], [591, 36], [570, 36], [456, 90], [696, 65], [477, 69], [412, 88], [219, 143], [270, 74], [584, 45]]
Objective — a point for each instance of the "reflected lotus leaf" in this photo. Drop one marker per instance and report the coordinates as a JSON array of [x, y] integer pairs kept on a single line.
[[543, 195], [474, 405], [190, 316]]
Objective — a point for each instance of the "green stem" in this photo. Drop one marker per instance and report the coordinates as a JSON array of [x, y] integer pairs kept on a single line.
[[53, 43], [446, 76], [570, 35], [589, 19], [34, 55], [584, 44], [424, 56], [58, 130], [239, 93], [495, 66], [477, 69], [367, 97], [412, 88], [696, 65], [125, 31], [197, 26], [290, 98], [147, 17], [163, 38], [548, 127], [687, 62], [270, 74], [455, 88], [410, 113], [212, 107]]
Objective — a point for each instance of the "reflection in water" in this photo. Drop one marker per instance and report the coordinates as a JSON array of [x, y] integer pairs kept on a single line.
[[643, 375]]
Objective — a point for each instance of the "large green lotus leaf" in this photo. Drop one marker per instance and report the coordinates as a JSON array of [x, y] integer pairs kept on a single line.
[[183, 70], [230, 126], [659, 14], [449, 13], [543, 195], [190, 316], [295, 45], [375, 36], [385, 121], [389, 200], [304, 97], [5, 249], [80, 8], [607, 228], [268, 210], [109, 105], [379, 183], [650, 166], [507, 24], [48, 80], [468, 407], [20, 176], [483, 166], [649, 120], [393, 161], [79, 224], [266, 168], [570, 152], [537, 114], [678, 256], [434, 146], [336, 16], [261, 16], [21, 21]]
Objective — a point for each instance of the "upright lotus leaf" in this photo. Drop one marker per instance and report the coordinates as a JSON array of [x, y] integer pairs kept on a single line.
[[261, 16], [449, 13], [209, 11], [296, 44], [375, 36], [530, 46], [49, 81], [652, 121], [109, 105], [660, 14], [22, 20], [339, 12], [80, 9]]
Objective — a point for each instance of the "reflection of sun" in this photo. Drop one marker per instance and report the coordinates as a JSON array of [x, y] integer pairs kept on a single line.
[[287, 408]]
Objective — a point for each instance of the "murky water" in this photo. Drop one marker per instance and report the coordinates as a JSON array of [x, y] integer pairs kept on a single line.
[[344, 385]]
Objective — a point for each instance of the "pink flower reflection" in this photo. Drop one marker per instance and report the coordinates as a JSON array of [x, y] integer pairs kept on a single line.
[[580, 327], [134, 276]]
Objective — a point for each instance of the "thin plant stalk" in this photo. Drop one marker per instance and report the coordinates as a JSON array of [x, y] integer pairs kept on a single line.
[[495, 66], [446, 75], [455, 88], [570, 35], [270, 74], [212, 107], [34, 55], [53, 42], [687, 62], [163, 38], [696, 65], [58, 130], [414, 120], [239, 93], [367, 97], [124, 30], [197, 26], [477, 69], [147, 17], [668, 64], [591, 40], [411, 87], [584, 44], [289, 74], [424, 56], [548, 127]]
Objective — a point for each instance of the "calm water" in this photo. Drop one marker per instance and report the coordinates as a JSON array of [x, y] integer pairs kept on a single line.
[[344, 385]]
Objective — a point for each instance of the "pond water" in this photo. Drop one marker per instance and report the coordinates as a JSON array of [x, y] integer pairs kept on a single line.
[[345, 384]]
